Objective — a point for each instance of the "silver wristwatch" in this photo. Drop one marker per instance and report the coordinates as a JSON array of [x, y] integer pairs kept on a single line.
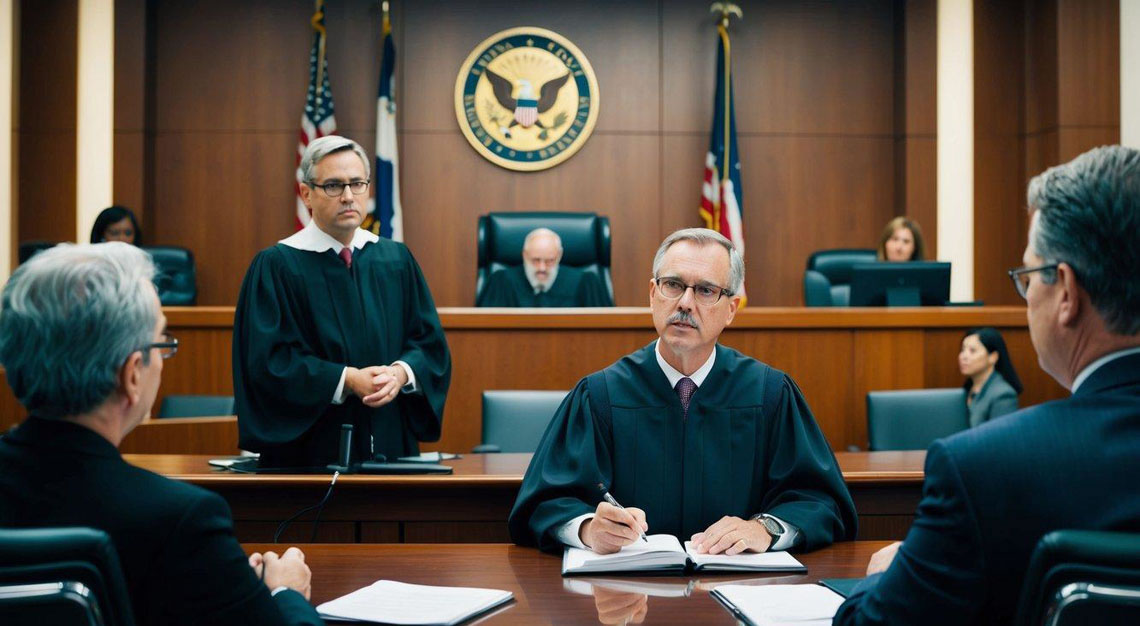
[[774, 528]]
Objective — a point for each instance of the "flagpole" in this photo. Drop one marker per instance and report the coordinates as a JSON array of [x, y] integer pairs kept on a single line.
[[318, 17], [726, 10]]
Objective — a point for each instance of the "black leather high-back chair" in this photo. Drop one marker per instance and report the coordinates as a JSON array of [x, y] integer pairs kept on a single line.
[[585, 242], [196, 406], [1080, 577], [29, 249], [514, 421], [176, 278], [827, 280], [912, 419], [61, 576]]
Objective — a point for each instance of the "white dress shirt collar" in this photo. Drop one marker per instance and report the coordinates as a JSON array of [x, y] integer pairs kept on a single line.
[[1097, 364], [673, 375], [313, 239]]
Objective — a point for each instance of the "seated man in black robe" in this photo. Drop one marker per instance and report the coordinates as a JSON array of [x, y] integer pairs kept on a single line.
[[337, 326], [696, 439], [541, 280], [83, 339]]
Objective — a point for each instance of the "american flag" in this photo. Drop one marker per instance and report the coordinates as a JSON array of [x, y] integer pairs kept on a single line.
[[386, 217], [720, 193], [317, 120]]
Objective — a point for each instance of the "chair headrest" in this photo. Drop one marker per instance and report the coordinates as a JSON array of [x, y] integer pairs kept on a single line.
[[581, 235], [836, 264]]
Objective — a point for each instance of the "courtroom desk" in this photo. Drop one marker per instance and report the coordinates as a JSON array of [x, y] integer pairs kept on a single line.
[[472, 504], [835, 356], [542, 595]]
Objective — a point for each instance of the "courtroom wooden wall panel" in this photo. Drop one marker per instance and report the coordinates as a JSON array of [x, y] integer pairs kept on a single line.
[[1088, 62], [133, 159], [1073, 141], [44, 120], [613, 174], [620, 40], [882, 360]]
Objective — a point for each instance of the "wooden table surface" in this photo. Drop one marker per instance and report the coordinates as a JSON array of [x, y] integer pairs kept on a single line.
[[471, 505], [542, 595]]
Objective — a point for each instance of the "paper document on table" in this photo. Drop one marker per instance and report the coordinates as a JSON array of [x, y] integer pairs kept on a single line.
[[394, 602], [772, 605], [745, 561]]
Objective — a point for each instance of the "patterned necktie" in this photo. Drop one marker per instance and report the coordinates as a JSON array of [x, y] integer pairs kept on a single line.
[[346, 256], [685, 388]]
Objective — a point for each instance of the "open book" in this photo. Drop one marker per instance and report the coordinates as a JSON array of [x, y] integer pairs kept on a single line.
[[394, 602], [663, 553]]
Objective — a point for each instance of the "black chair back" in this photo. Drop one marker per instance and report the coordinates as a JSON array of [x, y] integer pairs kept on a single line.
[[29, 249], [912, 419], [585, 242], [514, 421], [176, 278], [196, 406], [827, 280], [1081, 577], [61, 576]]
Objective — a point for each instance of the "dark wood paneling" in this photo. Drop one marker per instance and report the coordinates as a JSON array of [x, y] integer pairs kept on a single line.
[[225, 83], [131, 142], [45, 128], [1088, 63]]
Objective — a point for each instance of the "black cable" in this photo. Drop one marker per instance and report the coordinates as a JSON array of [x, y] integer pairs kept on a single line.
[[320, 506]]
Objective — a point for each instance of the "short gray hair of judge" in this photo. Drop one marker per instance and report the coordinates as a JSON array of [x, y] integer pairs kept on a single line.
[[540, 232], [321, 147], [1088, 216], [704, 236], [69, 318]]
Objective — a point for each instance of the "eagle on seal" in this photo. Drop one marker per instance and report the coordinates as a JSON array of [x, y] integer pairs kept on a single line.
[[526, 107]]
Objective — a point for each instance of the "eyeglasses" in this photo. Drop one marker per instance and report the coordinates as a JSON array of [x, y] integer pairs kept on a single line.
[[168, 347], [335, 189], [706, 295], [1020, 277]]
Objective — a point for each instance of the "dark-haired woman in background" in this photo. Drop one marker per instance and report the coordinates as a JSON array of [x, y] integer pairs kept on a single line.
[[117, 223], [991, 384], [901, 241]]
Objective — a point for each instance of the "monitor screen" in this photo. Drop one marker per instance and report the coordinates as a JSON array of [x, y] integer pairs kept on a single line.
[[917, 283]]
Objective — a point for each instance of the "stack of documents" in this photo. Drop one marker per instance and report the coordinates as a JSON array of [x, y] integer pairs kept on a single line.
[[394, 602], [773, 605]]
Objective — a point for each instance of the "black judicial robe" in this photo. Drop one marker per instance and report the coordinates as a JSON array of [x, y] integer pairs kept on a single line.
[[749, 445], [301, 318], [572, 288]]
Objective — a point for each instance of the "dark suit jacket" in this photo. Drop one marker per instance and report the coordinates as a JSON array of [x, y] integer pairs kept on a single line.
[[994, 399], [175, 541], [991, 493]]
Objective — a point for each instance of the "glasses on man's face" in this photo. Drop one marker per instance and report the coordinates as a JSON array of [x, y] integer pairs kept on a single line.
[[168, 347], [706, 295], [1020, 277], [336, 189]]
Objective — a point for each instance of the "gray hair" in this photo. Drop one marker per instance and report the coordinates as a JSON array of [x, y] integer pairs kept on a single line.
[[541, 232], [321, 147], [703, 236], [1088, 216], [69, 318]]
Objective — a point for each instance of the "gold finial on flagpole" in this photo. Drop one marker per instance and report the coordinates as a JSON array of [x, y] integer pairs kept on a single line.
[[726, 9], [387, 23]]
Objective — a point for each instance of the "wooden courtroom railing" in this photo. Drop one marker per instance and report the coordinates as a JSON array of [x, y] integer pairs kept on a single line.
[[835, 355]]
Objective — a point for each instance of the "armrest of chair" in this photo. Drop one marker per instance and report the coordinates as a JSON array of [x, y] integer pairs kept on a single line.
[[817, 289], [485, 448]]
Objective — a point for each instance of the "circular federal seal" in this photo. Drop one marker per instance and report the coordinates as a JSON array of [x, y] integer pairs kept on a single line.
[[526, 98]]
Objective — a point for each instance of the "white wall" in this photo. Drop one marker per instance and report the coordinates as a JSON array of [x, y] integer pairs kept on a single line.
[[956, 143]]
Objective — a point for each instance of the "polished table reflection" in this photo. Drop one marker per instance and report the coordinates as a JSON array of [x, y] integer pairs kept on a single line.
[[542, 595], [471, 505]]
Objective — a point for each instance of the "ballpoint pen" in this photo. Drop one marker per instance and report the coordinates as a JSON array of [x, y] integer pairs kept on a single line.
[[608, 498]]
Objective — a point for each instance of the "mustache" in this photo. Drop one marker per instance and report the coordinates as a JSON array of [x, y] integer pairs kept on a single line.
[[683, 317]]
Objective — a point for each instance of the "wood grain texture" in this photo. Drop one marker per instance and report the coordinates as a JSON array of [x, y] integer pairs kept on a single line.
[[541, 596], [815, 111]]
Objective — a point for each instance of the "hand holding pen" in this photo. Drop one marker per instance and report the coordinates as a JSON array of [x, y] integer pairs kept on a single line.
[[613, 526]]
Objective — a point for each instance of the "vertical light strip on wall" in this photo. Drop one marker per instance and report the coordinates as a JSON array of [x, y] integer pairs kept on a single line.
[[956, 143], [95, 113], [7, 158], [1130, 73]]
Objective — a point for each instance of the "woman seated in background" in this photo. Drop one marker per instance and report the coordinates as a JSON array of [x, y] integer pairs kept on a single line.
[[901, 241], [991, 384], [117, 223]]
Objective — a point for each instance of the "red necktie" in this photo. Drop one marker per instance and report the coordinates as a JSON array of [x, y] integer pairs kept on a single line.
[[346, 256]]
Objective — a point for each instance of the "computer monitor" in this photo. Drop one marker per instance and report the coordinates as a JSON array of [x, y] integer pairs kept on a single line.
[[916, 283]]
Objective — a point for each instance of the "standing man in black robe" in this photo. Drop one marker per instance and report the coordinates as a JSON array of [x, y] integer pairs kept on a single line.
[[337, 326], [696, 439], [542, 280]]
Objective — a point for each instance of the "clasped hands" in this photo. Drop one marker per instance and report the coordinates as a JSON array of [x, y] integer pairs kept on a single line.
[[612, 528], [288, 570], [376, 385]]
